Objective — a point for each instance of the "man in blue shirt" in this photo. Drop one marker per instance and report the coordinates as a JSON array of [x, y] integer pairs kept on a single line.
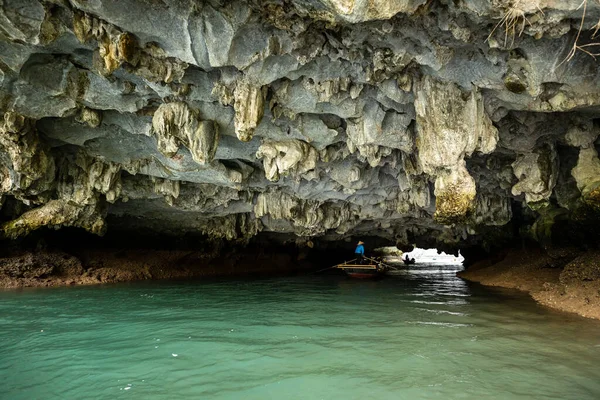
[[360, 252]]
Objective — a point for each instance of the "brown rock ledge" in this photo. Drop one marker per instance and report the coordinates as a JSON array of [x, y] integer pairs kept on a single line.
[[57, 268], [563, 279]]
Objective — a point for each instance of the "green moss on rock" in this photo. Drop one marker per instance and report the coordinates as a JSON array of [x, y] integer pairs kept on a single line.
[[453, 206], [514, 84]]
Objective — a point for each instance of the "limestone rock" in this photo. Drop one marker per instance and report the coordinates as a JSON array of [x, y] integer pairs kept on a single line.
[[249, 103], [587, 174], [291, 157], [583, 268], [361, 10], [454, 195], [168, 188], [537, 174], [308, 218], [27, 167], [377, 131], [587, 170], [82, 179], [176, 123], [492, 210], [410, 120], [116, 47], [414, 193], [92, 118], [56, 213], [231, 227], [451, 125]]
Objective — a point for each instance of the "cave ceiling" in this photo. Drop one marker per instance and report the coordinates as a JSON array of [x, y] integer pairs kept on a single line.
[[409, 120]]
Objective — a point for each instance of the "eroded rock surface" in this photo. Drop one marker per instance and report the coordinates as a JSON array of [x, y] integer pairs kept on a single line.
[[565, 278], [429, 122]]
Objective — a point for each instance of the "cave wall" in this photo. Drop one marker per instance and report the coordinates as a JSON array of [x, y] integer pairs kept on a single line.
[[443, 123]]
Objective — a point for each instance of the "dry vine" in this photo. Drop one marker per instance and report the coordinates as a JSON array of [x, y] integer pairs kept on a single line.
[[514, 21], [512, 18], [586, 48]]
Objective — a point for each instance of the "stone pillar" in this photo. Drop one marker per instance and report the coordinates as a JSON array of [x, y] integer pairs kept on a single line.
[[451, 125], [587, 170]]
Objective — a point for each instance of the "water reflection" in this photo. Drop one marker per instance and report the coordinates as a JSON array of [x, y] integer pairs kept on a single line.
[[422, 333]]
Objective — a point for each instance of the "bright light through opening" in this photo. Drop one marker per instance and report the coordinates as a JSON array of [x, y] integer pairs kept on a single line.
[[423, 256], [431, 256]]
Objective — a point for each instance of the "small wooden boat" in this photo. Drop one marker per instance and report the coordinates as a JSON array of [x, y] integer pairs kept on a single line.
[[408, 262], [372, 269]]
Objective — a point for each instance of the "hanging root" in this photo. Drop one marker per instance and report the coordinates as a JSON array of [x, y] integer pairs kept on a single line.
[[589, 48], [514, 21], [596, 29]]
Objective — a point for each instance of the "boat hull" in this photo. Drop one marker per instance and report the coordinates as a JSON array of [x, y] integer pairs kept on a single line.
[[353, 269], [363, 273]]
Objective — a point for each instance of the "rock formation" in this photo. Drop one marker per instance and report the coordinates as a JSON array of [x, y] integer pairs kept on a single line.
[[441, 123]]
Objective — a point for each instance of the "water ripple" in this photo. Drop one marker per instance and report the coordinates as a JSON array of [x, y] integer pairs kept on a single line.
[[421, 334]]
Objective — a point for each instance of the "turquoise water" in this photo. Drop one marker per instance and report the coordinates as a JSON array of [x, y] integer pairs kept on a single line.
[[423, 334]]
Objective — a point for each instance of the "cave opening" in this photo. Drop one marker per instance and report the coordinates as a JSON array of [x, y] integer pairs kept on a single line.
[[434, 256]]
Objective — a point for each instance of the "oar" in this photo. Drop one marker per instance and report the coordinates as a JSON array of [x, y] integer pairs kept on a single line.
[[324, 269], [335, 266], [381, 262]]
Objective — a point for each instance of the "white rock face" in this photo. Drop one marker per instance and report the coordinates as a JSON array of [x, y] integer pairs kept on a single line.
[[365, 10], [28, 167], [537, 176], [405, 119], [176, 123], [290, 157], [451, 125], [249, 108], [587, 170]]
